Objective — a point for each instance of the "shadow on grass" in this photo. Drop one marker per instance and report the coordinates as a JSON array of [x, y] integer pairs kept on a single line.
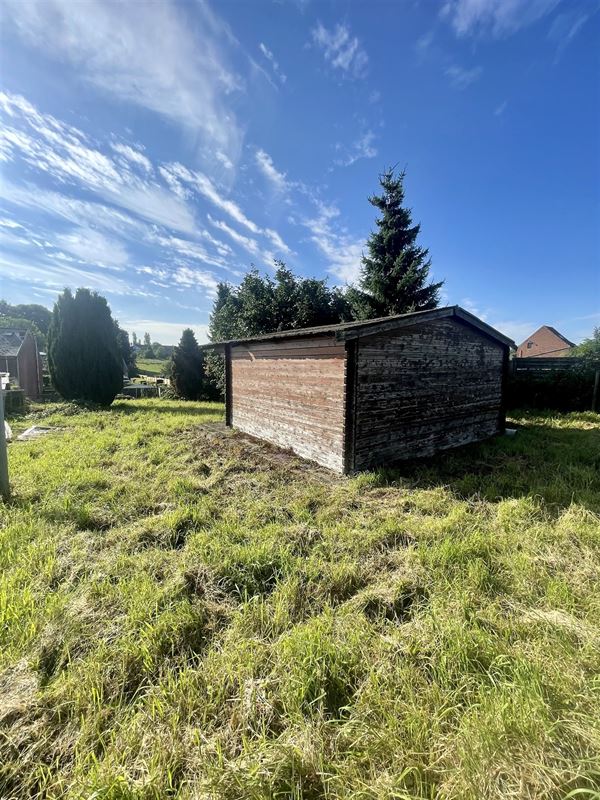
[[559, 465]]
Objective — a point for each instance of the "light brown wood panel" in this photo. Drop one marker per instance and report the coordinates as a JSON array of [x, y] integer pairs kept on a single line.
[[292, 394]]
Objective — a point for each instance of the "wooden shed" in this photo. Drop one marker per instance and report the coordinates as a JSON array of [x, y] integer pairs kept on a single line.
[[360, 394]]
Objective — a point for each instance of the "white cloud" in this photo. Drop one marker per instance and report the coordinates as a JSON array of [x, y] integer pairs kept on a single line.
[[362, 147], [496, 17], [54, 273], [499, 110], [178, 175], [342, 251], [271, 173], [251, 245], [460, 77], [9, 223], [188, 249], [133, 155], [65, 153], [165, 332], [154, 57], [271, 59], [94, 248], [342, 50], [193, 277]]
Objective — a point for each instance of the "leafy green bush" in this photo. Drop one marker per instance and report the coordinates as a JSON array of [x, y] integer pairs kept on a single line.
[[564, 390]]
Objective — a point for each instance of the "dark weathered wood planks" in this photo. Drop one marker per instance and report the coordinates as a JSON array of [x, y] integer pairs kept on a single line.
[[425, 388]]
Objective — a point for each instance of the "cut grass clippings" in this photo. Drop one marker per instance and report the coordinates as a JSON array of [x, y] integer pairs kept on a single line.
[[187, 613]]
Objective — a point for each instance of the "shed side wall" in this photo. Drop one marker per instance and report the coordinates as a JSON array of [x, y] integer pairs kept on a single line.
[[292, 394], [30, 368], [425, 389]]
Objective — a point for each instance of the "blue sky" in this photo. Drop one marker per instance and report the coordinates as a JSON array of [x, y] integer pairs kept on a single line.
[[150, 150]]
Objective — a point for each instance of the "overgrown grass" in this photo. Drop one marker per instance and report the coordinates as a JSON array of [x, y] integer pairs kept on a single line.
[[189, 614]]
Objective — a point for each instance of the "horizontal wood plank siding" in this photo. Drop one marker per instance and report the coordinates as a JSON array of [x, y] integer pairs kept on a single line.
[[291, 393], [424, 389]]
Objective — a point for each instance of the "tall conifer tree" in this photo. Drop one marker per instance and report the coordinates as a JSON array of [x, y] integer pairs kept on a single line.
[[187, 367], [83, 353], [394, 274]]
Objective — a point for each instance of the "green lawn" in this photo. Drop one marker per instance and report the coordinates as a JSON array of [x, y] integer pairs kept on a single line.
[[185, 613], [151, 366]]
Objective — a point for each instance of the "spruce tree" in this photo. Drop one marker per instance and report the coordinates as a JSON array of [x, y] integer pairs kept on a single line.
[[187, 368], [394, 274], [83, 352]]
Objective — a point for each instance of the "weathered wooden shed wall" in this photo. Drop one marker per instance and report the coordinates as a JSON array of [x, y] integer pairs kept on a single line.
[[291, 393], [425, 388]]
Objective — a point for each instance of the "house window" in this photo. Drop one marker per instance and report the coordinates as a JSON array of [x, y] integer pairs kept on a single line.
[[529, 345]]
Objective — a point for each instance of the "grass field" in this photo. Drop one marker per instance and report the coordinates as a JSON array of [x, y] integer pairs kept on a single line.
[[189, 614], [151, 366]]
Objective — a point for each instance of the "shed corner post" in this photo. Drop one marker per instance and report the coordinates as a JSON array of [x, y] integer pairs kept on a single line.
[[506, 370], [350, 402], [228, 387]]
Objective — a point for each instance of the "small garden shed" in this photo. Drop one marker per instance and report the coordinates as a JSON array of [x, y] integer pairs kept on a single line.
[[360, 394]]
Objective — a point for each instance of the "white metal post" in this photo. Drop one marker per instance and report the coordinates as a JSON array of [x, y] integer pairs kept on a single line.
[[4, 484]]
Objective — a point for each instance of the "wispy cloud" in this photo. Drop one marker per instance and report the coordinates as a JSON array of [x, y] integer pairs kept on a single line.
[[362, 147], [187, 180], [567, 25], [65, 153], [499, 110], [265, 163], [268, 54], [132, 154], [114, 47], [341, 49], [460, 77], [342, 251], [94, 248], [496, 17]]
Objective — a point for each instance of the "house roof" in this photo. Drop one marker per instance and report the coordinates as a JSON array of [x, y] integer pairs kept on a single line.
[[11, 341], [552, 330], [352, 330]]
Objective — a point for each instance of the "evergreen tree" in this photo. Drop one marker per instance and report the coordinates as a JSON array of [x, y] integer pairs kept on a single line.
[[187, 368], [83, 352], [394, 275], [126, 351]]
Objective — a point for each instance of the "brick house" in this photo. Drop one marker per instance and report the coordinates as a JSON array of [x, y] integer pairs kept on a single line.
[[19, 357], [547, 342]]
